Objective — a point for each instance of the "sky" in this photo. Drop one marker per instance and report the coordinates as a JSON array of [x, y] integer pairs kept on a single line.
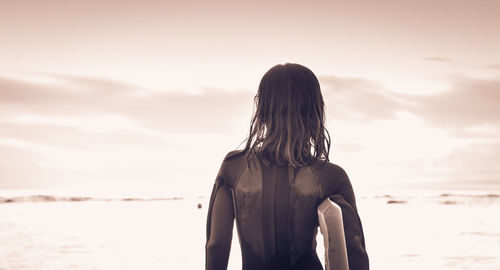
[[151, 95]]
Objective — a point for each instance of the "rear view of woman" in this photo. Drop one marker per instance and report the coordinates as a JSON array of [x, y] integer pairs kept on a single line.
[[274, 185]]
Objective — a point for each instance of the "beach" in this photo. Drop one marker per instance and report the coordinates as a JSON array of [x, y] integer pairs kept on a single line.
[[415, 230]]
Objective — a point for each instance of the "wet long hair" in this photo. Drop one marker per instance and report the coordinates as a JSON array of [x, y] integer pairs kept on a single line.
[[288, 124]]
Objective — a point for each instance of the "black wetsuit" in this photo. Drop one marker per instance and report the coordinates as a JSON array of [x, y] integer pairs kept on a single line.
[[276, 214]]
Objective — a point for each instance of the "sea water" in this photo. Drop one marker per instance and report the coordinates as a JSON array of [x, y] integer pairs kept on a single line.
[[417, 230]]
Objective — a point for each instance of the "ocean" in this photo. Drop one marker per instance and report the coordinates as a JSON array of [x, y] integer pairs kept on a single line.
[[403, 230]]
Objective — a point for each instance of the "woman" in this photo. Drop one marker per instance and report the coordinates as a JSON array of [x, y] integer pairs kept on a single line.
[[274, 185]]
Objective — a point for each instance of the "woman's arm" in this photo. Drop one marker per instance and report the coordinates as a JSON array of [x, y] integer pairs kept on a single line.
[[220, 222], [353, 230]]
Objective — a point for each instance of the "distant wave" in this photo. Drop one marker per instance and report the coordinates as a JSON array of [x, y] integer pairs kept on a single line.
[[490, 195], [457, 199], [443, 195], [442, 198], [450, 202], [396, 201], [49, 198]]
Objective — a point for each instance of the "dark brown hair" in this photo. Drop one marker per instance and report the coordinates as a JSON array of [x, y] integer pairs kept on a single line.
[[288, 125]]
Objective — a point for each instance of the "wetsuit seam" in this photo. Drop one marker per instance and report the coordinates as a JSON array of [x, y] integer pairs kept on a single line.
[[233, 197], [239, 176], [235, 207], [316, 180]]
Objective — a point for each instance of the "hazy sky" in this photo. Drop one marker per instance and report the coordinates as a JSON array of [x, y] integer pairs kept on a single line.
[[150, 95]]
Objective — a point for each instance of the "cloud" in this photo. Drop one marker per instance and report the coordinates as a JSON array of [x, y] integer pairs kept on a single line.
[[467, 104], [359, 99], [438, 59], [78, 130], [473, 162], [72, 136], [213, 110], [495, 67], [87, 123]]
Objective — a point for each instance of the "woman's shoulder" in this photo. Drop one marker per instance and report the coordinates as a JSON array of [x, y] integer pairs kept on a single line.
[[329, 175], [232, 166], [233, 154], [327, 167]]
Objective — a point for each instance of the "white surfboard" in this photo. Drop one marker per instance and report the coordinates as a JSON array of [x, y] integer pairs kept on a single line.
[[332, 228]]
